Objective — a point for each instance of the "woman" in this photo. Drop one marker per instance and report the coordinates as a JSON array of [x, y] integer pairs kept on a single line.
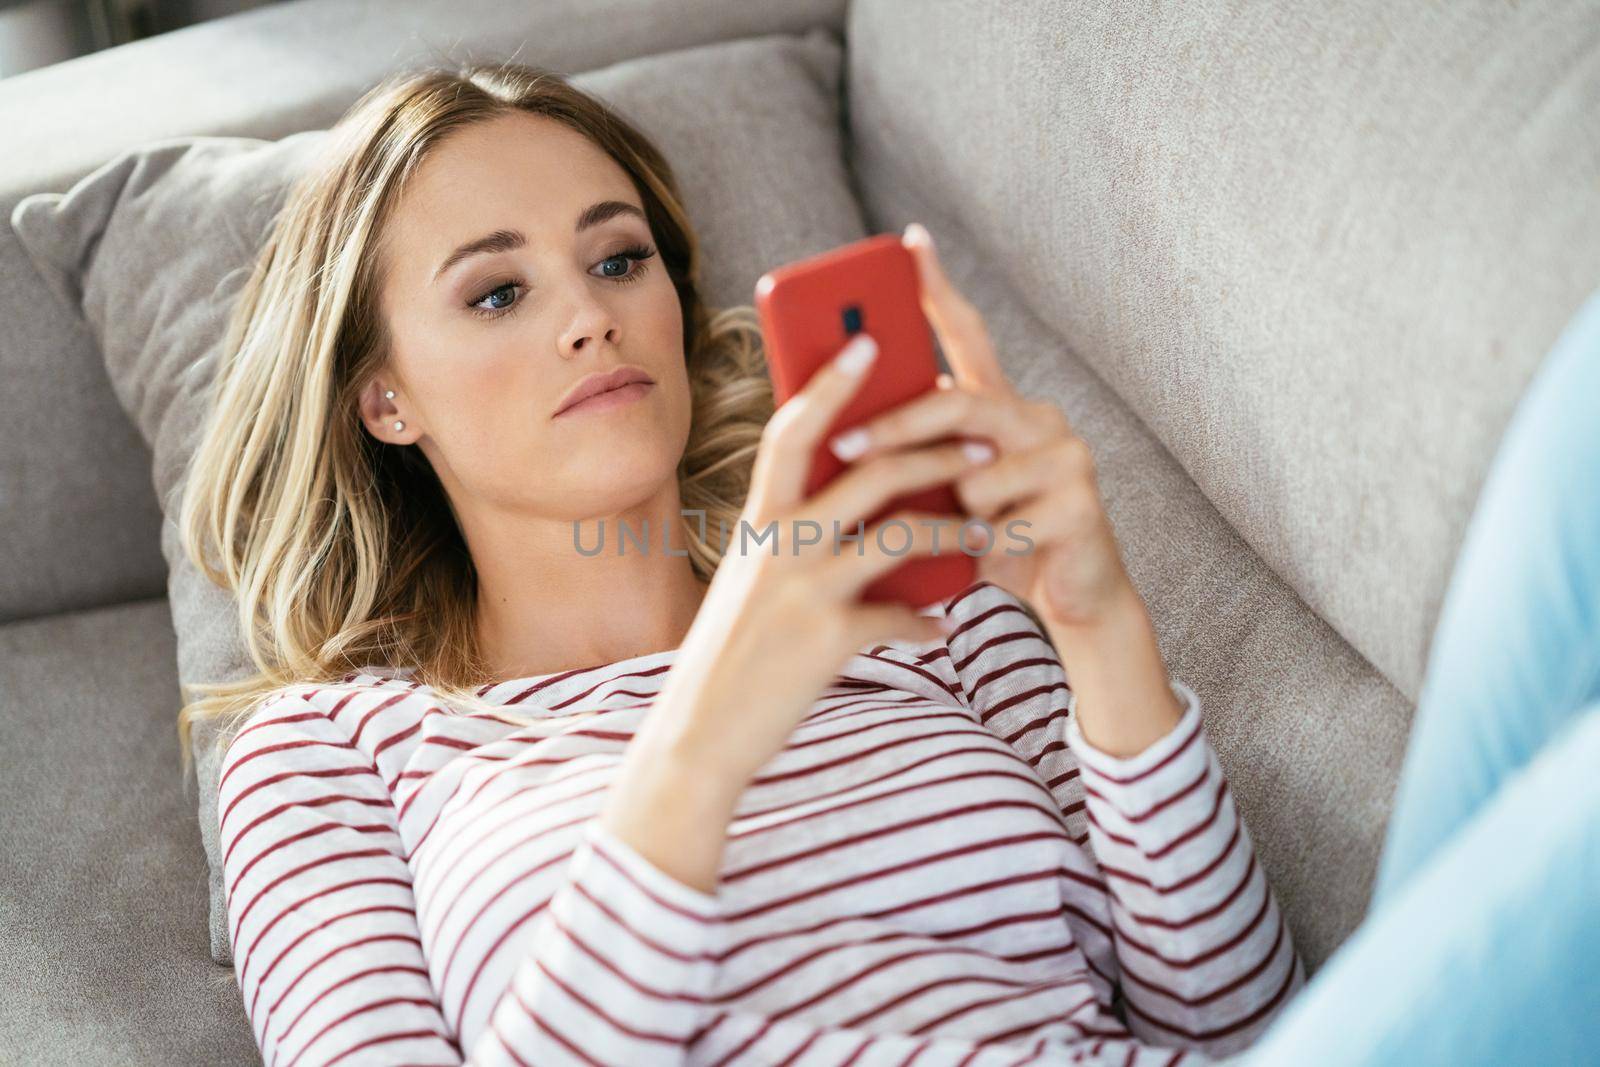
[[471, 812]]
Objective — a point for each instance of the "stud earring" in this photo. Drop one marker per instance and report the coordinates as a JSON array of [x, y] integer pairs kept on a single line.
[[388, 394], [398, 425]]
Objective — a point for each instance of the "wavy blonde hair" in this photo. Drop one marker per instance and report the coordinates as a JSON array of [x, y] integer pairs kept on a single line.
[[341, 550]]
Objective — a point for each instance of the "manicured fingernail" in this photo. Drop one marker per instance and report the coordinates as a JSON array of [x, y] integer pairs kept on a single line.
[[977, 451], [918, 232], [850, 444], [858, 354]]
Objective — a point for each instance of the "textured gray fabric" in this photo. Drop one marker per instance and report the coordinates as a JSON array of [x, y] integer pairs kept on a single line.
[[103, 882], [79, 525], [1318, 247], [157, 243]]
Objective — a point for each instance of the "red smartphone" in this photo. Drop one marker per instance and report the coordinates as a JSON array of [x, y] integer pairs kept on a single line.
[[808, 310]]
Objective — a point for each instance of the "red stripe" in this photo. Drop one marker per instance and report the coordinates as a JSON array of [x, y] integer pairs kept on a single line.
[[362, 1010], [1194, 831], [1159, 805], [915, 904], [1056, 711], [1220, 949], [734, 1054], [673, 1040], [421, 972], [867, 876], [1001, 673], [574, 698], [257, 722], [1183, 746], [994, 641], [314, 802], [894, 830], [544, 1024], [1223, 990], [349, 946], [929, 676], [294, 905], [331, 772], [1157, 922], [1182, 883], [1215, 1032], [321, 828]]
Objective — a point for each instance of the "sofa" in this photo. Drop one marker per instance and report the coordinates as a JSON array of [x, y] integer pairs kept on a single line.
[[1287, 269]]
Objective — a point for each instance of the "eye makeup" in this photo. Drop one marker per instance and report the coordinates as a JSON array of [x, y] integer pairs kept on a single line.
[[636, 253]]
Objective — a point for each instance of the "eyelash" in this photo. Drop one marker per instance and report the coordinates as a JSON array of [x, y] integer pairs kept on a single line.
[[638, 253]]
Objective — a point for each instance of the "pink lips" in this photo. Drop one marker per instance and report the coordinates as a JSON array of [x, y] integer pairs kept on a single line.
[[600, 391], [611, 398]]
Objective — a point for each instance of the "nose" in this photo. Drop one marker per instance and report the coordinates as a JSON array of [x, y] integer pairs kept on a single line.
[[591, 322], [580, 339]]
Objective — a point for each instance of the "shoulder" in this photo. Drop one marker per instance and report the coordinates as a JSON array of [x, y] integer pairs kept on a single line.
[[289, 711], [321, 710]]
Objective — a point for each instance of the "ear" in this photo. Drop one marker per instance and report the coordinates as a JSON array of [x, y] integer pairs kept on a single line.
[[379, 413]]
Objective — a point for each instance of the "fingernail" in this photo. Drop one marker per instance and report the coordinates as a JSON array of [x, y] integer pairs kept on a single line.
[[917, 231], [858, 354], [977, 451], [947, 625], [850, 444]]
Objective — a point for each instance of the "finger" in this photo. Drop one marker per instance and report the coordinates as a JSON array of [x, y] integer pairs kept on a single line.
[[1041, 522], [1021, 476], [1012, 423], [961, 329], [885, 545], [865, 488], [790, 437]]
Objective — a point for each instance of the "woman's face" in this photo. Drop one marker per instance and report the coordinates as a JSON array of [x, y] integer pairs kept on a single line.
[[501, 293]]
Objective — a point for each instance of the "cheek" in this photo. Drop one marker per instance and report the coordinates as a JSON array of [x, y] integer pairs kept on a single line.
[[475, 396]]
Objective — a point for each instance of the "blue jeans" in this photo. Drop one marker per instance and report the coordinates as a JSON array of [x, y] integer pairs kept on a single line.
[[1482, 941]]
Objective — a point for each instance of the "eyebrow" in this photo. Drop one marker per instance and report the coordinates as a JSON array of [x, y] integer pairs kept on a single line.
[[508, 240]]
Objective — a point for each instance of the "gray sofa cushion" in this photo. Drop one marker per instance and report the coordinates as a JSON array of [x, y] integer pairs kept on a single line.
[[103, 886], [156, 243], [1318, 248]]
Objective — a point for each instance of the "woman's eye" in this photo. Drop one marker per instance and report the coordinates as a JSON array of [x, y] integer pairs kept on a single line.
[[507, 289], [638, 253], [502, 301]]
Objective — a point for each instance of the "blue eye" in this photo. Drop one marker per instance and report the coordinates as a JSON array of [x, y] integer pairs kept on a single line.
[[637, 254], [496, 290]]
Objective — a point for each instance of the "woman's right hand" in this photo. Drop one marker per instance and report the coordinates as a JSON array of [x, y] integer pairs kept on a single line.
[[774, 629]]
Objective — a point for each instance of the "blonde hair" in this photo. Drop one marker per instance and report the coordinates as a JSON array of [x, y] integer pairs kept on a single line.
[[341, 550]]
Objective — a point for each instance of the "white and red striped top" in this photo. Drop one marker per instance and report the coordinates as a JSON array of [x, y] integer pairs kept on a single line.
[[938, 869]]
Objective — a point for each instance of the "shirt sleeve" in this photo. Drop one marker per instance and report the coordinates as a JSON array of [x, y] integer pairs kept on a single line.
[[327, 951], [1204, 960]]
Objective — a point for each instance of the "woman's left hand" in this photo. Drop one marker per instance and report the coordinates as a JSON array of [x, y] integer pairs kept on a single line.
[[1043, 474]]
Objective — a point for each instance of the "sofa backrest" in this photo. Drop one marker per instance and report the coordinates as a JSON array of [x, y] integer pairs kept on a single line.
[[79, 522], [1318, 247]]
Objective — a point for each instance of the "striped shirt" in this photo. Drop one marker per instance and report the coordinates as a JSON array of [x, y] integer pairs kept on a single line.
[[936, 870]]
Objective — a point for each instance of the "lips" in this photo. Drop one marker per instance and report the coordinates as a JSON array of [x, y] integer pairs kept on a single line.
[[598, 383]]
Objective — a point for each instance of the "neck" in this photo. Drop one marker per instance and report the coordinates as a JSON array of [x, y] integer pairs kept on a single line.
[[545, 607]]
